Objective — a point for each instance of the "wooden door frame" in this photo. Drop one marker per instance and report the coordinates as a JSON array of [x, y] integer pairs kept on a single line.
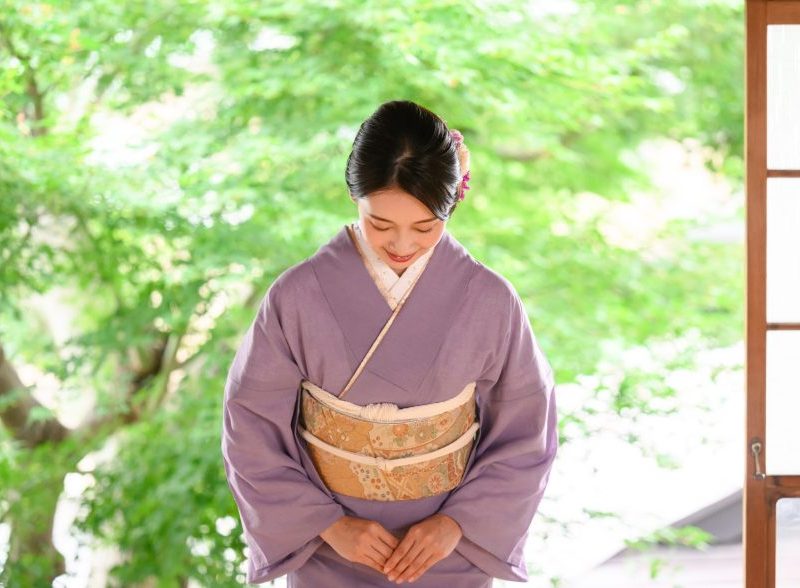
[[761, 493]]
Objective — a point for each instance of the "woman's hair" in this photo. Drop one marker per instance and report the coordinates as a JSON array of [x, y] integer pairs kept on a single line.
[[405, 145]]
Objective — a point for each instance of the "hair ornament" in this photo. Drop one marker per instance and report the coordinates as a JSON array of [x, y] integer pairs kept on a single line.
[[463, 158]]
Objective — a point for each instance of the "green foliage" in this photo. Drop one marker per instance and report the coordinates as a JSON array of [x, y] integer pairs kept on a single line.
[[32, 480], [164, 492], [687, 536], [243, 114]]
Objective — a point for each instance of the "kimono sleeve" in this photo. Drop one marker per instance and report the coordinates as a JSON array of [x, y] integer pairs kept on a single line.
[[496, 500], [281, 510]]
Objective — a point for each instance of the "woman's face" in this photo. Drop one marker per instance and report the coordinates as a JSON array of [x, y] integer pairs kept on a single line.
[[396, 223]]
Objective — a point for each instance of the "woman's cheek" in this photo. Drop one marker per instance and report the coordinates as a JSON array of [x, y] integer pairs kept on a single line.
[[376, 238], [433, 237]]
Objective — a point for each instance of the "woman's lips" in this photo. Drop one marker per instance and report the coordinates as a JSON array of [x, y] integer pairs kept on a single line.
[[399, 259]]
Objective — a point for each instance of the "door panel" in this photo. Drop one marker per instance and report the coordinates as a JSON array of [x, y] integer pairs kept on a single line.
[[772, 366], [783, 402], [787, 553], [783, 93], [783, 247]]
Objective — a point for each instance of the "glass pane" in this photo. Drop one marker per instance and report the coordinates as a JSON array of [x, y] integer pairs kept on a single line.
[[783, 402], [783, 250], [783, 94], [787, 545]]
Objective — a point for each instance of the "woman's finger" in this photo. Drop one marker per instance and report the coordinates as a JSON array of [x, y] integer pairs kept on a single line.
[[372, 562], [380, 551], [422, 568], [388, 538], [399, 552], [408, 560]]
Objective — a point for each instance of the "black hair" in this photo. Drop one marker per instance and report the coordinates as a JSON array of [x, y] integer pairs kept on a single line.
[[405, 145]]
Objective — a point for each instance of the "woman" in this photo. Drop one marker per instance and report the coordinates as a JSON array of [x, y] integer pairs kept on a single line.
[[433, 467]]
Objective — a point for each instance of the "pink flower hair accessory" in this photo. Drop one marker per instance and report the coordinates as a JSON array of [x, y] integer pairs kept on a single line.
[[464, 186], [463, 159]]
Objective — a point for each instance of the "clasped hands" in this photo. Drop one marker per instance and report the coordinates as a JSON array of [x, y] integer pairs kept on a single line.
[[368, 542]]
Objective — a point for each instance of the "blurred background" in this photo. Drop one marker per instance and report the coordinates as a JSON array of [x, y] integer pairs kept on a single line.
[[162, 162]]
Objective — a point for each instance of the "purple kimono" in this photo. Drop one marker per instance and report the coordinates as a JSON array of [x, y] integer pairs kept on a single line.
[[462, 322]]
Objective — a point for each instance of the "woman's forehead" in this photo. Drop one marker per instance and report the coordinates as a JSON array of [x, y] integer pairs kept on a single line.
[[395, 205]]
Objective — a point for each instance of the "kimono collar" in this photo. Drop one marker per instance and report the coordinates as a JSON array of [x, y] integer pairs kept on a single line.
[[391, 285], [412, 342]]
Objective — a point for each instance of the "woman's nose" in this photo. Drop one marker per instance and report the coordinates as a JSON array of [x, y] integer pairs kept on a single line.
[[402, 247]]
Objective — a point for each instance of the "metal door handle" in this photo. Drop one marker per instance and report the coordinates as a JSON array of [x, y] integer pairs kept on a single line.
[[755, 447]]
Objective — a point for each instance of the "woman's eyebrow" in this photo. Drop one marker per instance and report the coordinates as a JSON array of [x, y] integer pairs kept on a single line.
[[386, 220]]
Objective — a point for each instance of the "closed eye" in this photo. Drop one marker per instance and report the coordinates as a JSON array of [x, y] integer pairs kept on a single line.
[[387, 228]]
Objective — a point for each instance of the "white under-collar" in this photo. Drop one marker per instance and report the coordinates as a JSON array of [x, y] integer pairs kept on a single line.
[[391, 286]]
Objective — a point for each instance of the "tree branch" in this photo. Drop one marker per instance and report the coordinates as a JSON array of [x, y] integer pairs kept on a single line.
[[15, 416]]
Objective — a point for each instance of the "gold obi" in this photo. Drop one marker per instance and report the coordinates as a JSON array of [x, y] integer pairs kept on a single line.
[[382, 452]]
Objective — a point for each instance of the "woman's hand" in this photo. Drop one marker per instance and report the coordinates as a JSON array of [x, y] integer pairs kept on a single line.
[[425, 543], [360, 540]]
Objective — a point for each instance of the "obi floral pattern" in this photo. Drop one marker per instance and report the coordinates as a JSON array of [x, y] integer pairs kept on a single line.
[[388, 440]]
